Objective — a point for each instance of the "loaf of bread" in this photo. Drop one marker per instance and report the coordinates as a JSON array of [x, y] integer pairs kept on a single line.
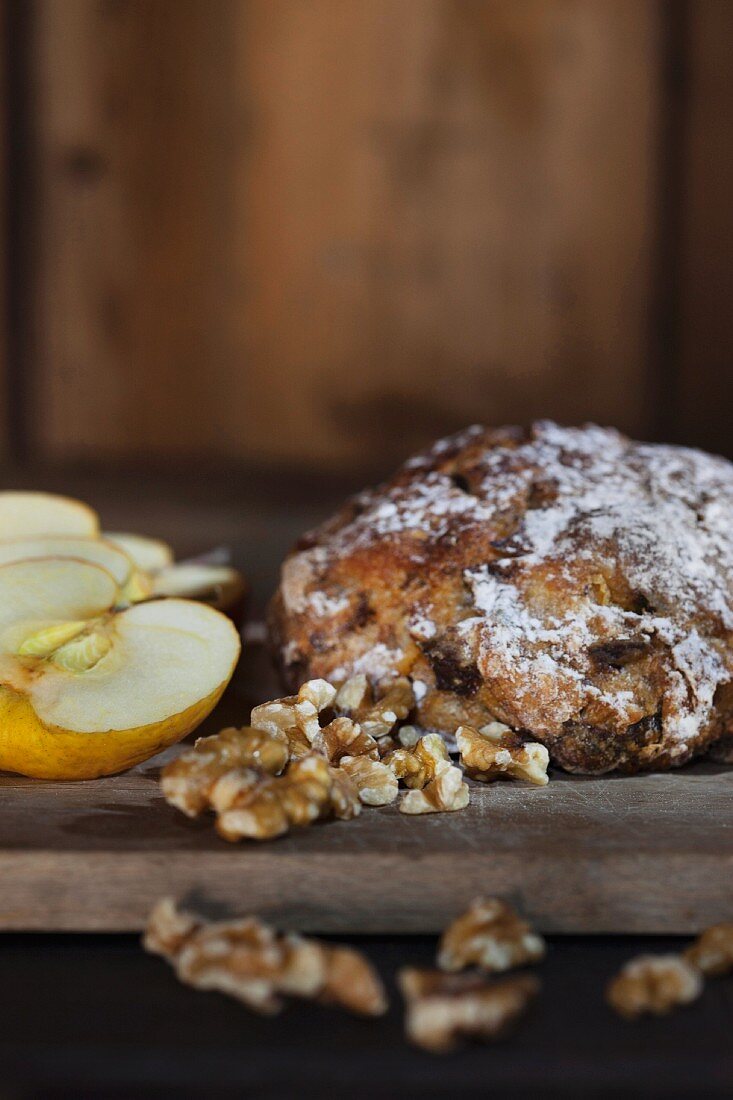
[[566, 581]]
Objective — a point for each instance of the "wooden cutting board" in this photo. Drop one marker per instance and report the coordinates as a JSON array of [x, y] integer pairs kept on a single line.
[[642, 854]]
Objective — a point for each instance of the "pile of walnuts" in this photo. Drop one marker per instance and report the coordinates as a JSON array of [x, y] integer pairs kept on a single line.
[[327, 751]]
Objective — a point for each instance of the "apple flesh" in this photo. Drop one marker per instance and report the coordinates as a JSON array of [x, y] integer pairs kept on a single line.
[[149, 555], [97, 551], [24, 515], [87, 690]]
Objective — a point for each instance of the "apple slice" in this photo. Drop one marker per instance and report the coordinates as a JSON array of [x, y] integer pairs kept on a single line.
[[86, 690], [23, 515], [150, 555], [220, 586], [96, 551]]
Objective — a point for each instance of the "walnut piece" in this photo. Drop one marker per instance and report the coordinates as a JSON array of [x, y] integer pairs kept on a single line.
[[249, 805], [495, 751], [251, 962], [653, 984], [443, 1008], [377, 713], [186, 783], [489, 935], [418, 765], [344, 737], [436, 784], [296, 716], [375, 781], [712, 951]]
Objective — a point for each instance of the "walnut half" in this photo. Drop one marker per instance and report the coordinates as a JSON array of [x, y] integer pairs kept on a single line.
[[187, 782], [443, 1008], [495, 751], [378, 713], [257, 808], [297, 717], [375, 782], [489, 935], [437, 785], [712, 952], [248, 960], [653, 984], [445, 793]]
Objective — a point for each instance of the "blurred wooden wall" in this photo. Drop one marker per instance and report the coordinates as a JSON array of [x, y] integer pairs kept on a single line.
[[321, 232]]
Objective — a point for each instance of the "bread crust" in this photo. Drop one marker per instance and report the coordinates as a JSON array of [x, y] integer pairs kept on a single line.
[[567, 581]]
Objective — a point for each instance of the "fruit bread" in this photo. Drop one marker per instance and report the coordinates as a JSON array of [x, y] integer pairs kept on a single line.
[[566, 581]]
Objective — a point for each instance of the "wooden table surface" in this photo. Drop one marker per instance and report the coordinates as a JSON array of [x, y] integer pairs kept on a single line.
[[88, 1015]]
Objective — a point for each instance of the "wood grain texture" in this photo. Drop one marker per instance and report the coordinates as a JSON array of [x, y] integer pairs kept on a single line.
[[131, 136], [606, 855], [705, 327], [334, 229], [642, 854]]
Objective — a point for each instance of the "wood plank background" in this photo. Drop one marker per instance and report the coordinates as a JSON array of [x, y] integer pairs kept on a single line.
[[321, 232]]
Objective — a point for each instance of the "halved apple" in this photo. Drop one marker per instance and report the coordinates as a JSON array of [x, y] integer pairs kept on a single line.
[[23, 515], [86, 690], [150, 555]]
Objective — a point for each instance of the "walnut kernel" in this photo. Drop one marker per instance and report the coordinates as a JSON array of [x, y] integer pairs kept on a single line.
[[267, 807], [296, 714], [653, 984], [489, 935], [344, 737], [374, 780], [186, 783], [251, 962], [377, 713], [445, 792], [495, 751], [712, 951], [417, 766], [443, 1008]]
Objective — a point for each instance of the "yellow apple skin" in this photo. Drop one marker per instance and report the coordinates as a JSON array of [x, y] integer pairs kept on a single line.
[[30, 747]]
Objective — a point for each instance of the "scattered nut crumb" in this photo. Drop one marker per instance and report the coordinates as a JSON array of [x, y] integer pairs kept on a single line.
[[489, 935], [653, 984], [251, 962], [495, 751], [443, 1008], [375, 781], [712, 951], [186, 783], [263, 808]]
